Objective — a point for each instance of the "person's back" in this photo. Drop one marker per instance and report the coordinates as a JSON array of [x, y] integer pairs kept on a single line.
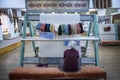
[[71, 57]]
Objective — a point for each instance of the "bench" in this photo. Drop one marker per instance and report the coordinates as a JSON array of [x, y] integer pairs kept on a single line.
[[86, 72], [105, 43]]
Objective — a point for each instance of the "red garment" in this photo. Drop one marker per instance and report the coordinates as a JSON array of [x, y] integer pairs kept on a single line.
[[42, 28], [71, 57], [78, 28]]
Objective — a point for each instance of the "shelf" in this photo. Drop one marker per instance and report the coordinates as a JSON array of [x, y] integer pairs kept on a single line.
[[9, 48], [115, 42], [5, 43]]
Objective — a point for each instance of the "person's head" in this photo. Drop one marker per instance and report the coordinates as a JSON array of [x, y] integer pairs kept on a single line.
[[72, 45]]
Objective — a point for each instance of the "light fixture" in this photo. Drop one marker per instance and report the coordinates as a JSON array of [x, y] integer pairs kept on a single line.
[[76, 13], [65, 12], [53, 12]]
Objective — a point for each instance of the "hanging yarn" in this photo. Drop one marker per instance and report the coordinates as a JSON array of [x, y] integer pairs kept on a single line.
[[61, 29], [69, 29], [81, 27]]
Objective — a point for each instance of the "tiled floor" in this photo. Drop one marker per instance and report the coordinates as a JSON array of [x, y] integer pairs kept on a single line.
[[109, 59]]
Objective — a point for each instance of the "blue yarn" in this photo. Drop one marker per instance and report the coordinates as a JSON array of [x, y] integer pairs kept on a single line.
[[38, 26], [66, 29]]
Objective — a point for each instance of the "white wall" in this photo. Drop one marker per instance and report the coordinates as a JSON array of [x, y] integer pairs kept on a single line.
[[116, 3], [12, 3], [101, 12], [90, 3], [1, 35]]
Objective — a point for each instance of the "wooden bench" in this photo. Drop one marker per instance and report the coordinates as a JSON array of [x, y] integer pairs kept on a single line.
[[105, 43], [86, 72]]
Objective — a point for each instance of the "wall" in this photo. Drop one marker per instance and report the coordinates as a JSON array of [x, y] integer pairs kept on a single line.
[[115, 3], [101, 12], [1, 35], [12, 3]]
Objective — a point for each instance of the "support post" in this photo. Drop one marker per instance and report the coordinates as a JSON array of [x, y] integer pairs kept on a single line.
[[23, 42], [88, 34], [96, 42], [32, 35], [116, 31]]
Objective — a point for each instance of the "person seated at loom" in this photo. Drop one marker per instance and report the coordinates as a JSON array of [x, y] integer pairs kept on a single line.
[[71, 58]]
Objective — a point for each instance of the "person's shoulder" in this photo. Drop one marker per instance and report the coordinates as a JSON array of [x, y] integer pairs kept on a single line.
[[76, 50], [66, 50]]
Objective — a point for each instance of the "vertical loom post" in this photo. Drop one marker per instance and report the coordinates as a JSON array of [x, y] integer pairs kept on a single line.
[[88, 34], [116, 31], [96, 42], [23, 42], [32, 35], [21, 27]]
